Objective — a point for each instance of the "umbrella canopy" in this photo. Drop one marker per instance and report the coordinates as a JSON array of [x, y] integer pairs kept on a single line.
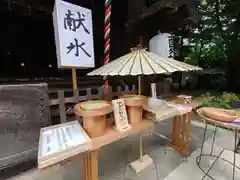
[[142, 62]]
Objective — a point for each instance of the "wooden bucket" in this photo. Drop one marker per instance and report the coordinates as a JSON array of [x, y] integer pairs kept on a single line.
[[134, 105], [94, 115], [135, 114]]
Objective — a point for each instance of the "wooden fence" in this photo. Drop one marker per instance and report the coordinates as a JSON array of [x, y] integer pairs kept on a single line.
[[62, 101]]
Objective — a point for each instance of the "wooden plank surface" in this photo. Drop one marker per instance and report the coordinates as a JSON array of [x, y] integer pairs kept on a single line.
[[113, 135], [195, 103]]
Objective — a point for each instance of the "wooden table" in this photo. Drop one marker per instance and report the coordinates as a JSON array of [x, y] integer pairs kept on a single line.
[[182, 128], [181, 133], [112, 135]]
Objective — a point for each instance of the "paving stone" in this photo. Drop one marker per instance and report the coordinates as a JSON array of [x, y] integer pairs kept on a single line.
[[166, 160], [115, 158], [220, 171]]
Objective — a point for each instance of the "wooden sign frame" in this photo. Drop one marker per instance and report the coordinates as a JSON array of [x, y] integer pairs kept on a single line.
[[120, 115], [57, 157], [65, 35]]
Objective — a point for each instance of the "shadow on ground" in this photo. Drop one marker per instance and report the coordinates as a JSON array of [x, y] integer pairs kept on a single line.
[[115, 158]]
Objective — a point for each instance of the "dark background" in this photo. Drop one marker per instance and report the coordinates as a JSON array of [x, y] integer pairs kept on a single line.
[[28, 37]]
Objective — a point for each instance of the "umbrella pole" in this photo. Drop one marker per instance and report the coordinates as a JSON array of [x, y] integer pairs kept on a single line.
[[144, 161], [139, 85], [140, 136], [140, 146]]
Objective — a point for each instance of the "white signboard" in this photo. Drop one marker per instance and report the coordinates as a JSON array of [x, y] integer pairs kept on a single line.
[[60, 142], [73, 35], [120, 115]]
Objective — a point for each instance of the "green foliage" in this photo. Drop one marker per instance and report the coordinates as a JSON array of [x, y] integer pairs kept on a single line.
[[222, 101], [210, 44]]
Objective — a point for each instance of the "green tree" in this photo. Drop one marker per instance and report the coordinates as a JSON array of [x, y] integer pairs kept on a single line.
[[208, 44], [215, 42]]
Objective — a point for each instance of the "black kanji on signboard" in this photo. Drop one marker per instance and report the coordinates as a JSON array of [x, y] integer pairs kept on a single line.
[[73, 24], [77, 46]]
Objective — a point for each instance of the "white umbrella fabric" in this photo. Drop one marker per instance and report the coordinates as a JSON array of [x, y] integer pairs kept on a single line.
[[142, 62]]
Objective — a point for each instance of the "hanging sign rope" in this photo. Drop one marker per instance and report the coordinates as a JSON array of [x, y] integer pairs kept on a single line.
[[108, 11]]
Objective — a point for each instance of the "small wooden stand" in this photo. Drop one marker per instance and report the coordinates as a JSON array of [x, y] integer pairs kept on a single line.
[[134, 105], [94, 120]]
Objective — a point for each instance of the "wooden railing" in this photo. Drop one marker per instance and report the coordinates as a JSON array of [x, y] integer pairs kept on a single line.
[[65, 99], [160, 89]]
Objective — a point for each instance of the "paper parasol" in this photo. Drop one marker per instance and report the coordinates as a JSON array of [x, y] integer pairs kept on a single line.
[[142, 62]]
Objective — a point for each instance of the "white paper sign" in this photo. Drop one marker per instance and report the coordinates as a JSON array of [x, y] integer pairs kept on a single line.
[[62, 138], [73, 35], [61, 142], [120, 115]]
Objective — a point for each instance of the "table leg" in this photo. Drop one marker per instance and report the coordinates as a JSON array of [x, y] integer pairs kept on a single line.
[[176, 136], [91, 165], [86, 167], [174, 131], [188, 133], [178, 127], [181, 133]]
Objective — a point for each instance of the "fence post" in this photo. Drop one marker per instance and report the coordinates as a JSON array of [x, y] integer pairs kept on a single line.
[[62, 111], [101, 92], [153, 90], [89, 94], [126, 88], [134, 87], [76, 99], [76, 95], [119, 89], [108, 93]]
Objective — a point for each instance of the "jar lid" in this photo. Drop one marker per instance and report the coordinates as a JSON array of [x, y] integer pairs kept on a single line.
[[91, 105], [134, 97]]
